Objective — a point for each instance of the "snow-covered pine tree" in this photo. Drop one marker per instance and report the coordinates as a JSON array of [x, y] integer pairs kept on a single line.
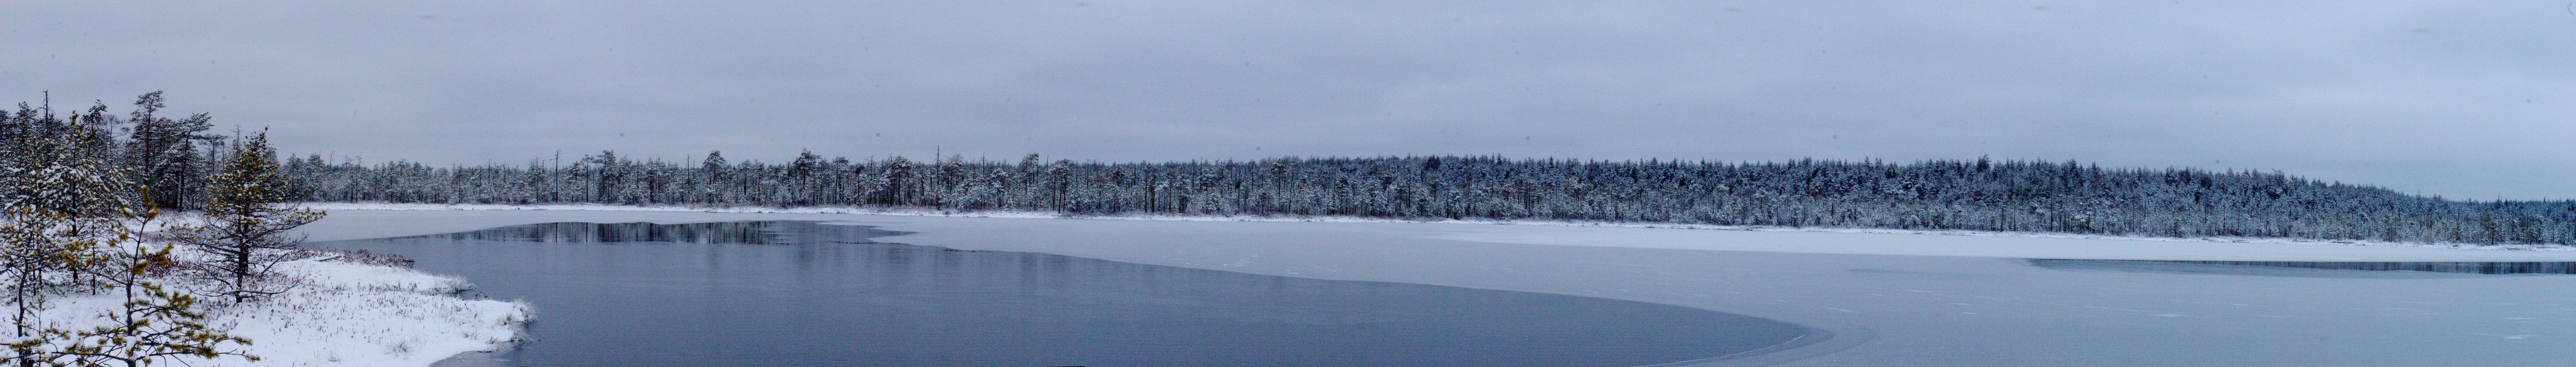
[[245, 216], [161, 152], [153, 323], [62, 205]]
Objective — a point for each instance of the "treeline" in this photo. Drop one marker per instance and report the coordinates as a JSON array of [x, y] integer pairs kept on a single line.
[[77, 194], [2009, 195], [167, 159]]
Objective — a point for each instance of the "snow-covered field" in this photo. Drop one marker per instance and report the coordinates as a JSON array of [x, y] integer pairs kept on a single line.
[[1877, 299], [336, 311]]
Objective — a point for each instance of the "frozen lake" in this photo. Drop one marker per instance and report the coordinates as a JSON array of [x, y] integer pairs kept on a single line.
[[797, 293], [1885, 299]]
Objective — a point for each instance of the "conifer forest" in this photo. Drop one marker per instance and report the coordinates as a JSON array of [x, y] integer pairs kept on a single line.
[[82, 199], [1980, 194], [167, 159]]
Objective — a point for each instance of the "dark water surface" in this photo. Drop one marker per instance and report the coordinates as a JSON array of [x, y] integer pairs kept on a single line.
[[786, 293]]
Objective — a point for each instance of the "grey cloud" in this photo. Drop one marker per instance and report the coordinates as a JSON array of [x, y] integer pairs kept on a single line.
[[2464, 99]]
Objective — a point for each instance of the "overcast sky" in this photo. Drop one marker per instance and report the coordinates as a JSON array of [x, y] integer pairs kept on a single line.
[[2466, 99]]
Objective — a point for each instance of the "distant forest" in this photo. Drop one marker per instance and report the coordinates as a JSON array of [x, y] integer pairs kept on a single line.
[[170, 160], [1985, 195]]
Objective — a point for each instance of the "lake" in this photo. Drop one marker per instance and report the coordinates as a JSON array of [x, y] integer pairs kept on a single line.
[[802, 293]]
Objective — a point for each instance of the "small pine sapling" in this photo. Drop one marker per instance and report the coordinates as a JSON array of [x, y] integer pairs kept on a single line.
[[57, 205], [245, 218], [153, 323]]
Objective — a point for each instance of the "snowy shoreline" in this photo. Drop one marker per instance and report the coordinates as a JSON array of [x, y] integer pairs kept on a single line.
[[931, 212], [339, 309], [426, 322], [334, 309]]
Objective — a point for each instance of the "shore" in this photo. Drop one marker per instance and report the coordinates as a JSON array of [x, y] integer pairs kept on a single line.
[[338, 311]]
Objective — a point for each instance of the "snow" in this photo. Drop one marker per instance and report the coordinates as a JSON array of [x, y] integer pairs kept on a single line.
[[410, 318], [337, 312], [1865, 241], [1983, 246], [1877, 299]]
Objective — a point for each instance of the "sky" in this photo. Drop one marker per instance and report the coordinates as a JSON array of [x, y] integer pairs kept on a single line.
[[2463, 99]]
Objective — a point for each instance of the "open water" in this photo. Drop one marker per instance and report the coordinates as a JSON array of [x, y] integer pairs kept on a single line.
[[789, 293]]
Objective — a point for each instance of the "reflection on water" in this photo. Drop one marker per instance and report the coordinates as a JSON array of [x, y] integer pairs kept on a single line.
[[2442, 267], [783, 293], [755, 233]]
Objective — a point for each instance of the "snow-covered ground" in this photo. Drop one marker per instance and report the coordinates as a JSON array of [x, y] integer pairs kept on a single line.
[[1877, 299], [930, 212], [337, 310], [1693, 237], [351, 314]]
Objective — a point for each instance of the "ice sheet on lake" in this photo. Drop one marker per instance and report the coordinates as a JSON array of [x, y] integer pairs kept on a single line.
[[1888, 299]]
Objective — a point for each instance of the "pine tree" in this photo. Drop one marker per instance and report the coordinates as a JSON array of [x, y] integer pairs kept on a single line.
[[245, 217], [162, 152], [716, 178], [152, 324], [62, 204], [70, 212]]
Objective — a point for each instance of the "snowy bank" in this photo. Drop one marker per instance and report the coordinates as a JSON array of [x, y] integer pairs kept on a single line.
[[371, 315], [1864, 241], [1975, 305], [338, 311]]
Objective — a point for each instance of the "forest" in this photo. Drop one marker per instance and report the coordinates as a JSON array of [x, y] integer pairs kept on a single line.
[[83, 199], [1979, 194], [171, 160]]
